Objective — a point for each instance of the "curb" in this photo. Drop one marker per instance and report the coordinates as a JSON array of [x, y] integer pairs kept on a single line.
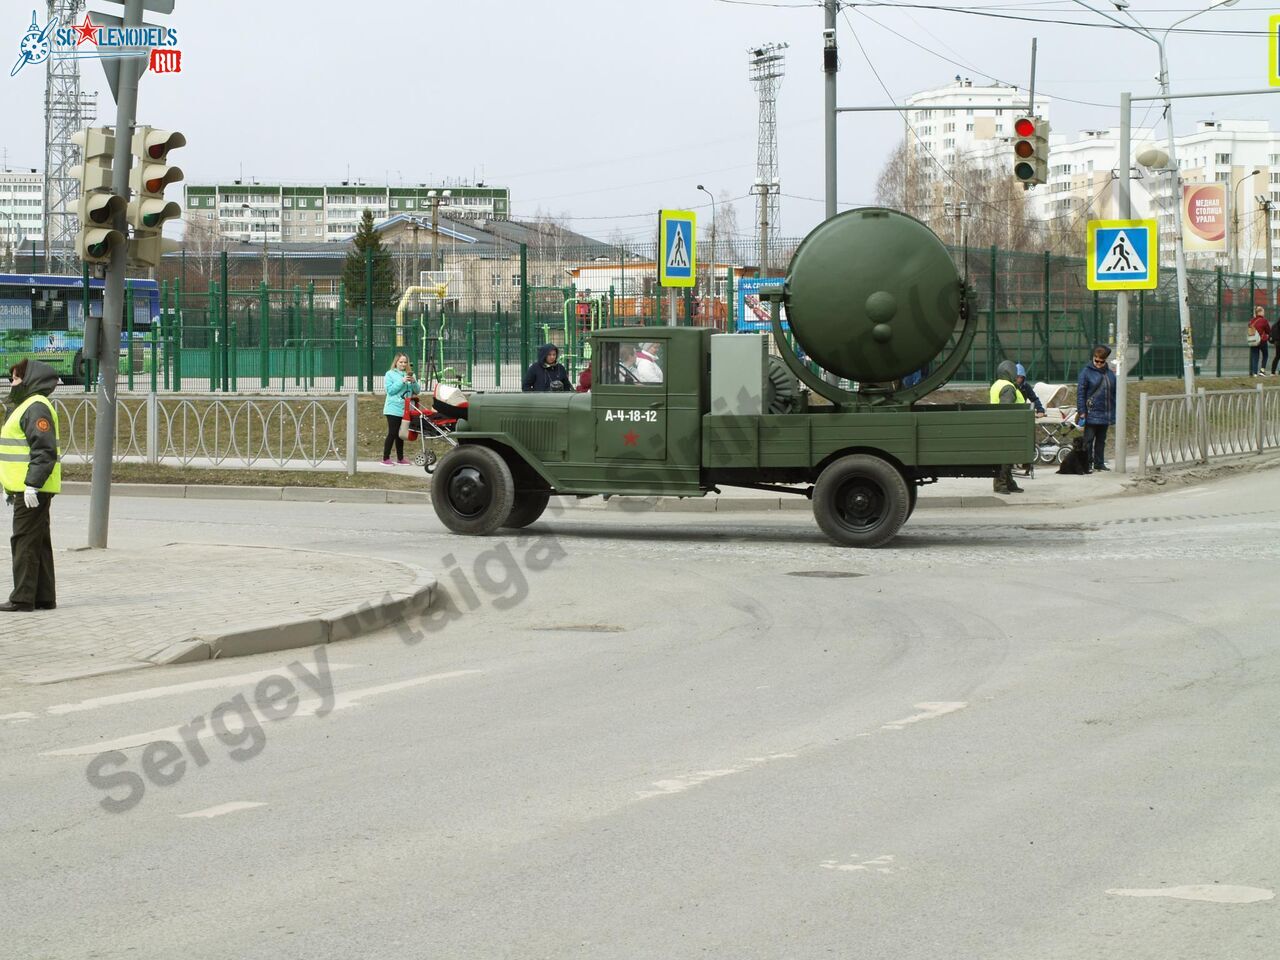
[[340, 623], [716, 504]]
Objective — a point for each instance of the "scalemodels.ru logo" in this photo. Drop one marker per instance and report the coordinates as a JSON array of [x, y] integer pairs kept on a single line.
[[94, 41]]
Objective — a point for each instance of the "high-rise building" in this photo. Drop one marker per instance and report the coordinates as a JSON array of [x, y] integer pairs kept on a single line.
[[961, 121], [328, 212], [21, 211]]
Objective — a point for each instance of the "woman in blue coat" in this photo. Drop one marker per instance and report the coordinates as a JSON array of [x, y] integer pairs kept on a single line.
[[1096, 404], [400, 385]]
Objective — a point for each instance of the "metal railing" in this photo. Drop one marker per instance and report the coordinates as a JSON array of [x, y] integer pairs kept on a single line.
[[218, 432], [1212, 423]]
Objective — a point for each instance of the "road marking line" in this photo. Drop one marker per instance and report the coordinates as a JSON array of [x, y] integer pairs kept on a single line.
[[175, 689], [681, 784], [221, 809], [22, 715], [1206, 892], [306, 708], [932, 709]]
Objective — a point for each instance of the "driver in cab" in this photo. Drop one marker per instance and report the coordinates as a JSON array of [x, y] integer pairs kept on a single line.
[[639, 365]]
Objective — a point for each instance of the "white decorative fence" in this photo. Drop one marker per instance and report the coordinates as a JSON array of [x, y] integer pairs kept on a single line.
[[222, 432], [1211, 423]]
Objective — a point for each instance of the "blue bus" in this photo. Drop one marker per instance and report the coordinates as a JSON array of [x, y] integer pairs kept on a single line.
[[42, 316]]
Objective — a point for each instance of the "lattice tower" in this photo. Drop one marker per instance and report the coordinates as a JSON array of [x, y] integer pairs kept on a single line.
[[66, 110], [767, 65]]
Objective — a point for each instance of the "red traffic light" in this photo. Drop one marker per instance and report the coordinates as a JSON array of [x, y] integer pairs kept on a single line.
[[1024, 126]]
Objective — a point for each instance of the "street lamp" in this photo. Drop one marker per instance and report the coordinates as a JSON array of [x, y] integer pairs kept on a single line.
[[246, 208], [712, 273], [1175, 181], [435, 196], [1235, 221], [1264, 202]]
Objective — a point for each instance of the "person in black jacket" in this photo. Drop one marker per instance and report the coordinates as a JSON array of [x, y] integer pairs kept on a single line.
[[548, 373], [1096, 404], [1027, 390], [31, 476]]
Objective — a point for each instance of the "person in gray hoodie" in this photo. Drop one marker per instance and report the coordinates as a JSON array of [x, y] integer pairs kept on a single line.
[[31, 476]]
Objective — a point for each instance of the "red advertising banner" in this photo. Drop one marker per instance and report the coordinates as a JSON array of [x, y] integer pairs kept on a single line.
[[1204, 216]]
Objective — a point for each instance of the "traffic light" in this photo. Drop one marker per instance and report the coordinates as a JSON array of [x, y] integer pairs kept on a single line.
[[98, 206], [148, 210], [1031, 150]]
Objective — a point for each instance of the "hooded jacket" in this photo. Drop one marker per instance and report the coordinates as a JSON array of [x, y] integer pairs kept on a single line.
[[540, 377], [37, 425], [1007, 373], [1028, 392]]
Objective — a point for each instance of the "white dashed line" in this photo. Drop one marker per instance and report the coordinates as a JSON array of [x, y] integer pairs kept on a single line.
[[931, 710], [174, 689], [1206, 892], [223, 808]]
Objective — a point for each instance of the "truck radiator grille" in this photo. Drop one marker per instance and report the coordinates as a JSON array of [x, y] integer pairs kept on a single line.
[[538, 434]]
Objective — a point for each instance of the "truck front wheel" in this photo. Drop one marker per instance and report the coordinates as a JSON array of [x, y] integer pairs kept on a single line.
[[472, 490], [529, 505], [861, 501]]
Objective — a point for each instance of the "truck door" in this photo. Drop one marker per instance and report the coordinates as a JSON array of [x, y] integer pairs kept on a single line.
[[629, 399]]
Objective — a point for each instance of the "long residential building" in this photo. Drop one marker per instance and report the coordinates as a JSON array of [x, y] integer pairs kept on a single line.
[[276, 213]]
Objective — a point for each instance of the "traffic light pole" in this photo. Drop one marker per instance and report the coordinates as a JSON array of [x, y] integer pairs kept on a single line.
[[1122, 296], [830, 64], [113, 298]]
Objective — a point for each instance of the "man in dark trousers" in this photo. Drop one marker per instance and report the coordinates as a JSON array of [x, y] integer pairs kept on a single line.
[[31, 476], [548, 373], [1005, 390]]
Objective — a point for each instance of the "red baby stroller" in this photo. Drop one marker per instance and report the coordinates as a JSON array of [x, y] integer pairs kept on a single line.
[[448, 406]]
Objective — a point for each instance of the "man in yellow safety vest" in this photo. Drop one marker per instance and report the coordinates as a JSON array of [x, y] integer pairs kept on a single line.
[[31, 475], [1005, 390]]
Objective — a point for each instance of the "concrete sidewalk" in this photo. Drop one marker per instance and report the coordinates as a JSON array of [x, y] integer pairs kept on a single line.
[[122, 609]]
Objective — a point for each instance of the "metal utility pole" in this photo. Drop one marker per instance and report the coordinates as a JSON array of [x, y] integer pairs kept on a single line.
[[830, 66], [1125, 212], [1265, 203], [711, 274], [763, 190], [436, 196], [767, 68], [113, 296]]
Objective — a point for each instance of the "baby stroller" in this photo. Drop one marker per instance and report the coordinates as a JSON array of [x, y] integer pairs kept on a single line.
[[1055, 431], [437, 422]]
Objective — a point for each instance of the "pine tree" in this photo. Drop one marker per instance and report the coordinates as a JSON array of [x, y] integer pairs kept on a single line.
[[353, 271]]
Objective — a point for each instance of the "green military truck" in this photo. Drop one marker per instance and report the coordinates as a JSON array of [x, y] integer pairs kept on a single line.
[[870, 297]]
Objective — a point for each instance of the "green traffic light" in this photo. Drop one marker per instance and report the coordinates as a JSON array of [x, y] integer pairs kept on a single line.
[[151, 219], [1024, 171], [99, 249]]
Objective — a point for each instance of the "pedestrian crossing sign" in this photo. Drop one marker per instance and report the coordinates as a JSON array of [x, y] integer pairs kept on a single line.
[[1122, 255], [677, 233]]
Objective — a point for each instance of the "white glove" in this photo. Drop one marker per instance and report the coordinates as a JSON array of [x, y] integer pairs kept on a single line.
[[30, 499]]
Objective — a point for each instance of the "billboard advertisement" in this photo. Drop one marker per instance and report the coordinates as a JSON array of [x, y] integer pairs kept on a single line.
[[753, 315], [1204, 217]]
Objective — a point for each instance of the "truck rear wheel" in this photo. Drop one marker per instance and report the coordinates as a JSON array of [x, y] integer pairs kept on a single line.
[[472, 490], [528, 507], [861, 501]]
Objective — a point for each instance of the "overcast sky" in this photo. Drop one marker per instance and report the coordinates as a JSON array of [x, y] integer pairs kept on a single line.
[[605, 111]]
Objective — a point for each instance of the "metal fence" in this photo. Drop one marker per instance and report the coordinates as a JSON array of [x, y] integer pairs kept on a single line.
[[1211, 423], [223, 329], [218, 432]]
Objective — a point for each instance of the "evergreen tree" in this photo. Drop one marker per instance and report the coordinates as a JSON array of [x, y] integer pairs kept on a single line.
[[353, 271]]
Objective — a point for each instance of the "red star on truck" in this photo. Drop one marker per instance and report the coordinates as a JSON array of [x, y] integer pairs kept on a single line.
[[87, 31], [630, 438]]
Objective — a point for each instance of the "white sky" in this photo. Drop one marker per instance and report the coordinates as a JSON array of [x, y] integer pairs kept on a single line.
[[605, 111]]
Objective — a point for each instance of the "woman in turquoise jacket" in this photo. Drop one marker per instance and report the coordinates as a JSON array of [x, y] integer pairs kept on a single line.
[[400, 385]]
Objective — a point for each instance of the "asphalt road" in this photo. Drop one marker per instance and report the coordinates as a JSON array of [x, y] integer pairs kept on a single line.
[[1012, 734]]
